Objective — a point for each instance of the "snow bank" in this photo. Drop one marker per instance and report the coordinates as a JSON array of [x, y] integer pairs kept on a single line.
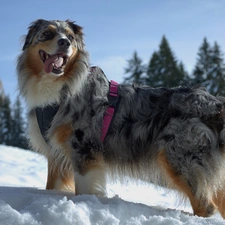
[[23, 200]]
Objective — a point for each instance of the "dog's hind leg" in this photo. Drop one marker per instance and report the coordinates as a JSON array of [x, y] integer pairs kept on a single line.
[[91, 179], [59, 179], [202, 206]]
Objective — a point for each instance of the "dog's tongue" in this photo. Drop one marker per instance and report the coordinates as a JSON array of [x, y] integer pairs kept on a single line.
[[53, 61]]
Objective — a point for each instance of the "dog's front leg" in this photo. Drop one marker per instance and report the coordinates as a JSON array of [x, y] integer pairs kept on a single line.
[[90, 177], [59, 178]]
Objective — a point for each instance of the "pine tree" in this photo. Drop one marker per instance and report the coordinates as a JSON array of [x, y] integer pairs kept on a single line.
[[5, 117], [216, 75], [136, 70], [1, 90], [2, 98], [163, 69], [1, 117], [186, 80], [6, 121], [204, 64], [18, 134], [154, 77]]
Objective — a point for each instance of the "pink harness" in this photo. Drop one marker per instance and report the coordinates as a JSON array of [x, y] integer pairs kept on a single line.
[[113, 99]]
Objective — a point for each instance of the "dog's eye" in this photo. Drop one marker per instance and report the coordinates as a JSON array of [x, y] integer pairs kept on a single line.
[[46, 35], [70, 37]]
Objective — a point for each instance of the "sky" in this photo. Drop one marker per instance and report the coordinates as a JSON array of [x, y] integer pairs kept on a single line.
[[115, 29]]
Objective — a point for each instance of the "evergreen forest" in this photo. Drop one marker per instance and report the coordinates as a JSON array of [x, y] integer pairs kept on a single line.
[[165, 70], [162, 70]]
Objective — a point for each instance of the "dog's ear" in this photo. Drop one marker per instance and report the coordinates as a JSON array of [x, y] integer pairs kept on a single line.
[[32, 31], [79, 34], [76, 28]]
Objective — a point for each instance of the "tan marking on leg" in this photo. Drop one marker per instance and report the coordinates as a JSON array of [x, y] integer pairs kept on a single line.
[[58, 181], [60, 137], [219, 200], [63, 133], [201, 207]]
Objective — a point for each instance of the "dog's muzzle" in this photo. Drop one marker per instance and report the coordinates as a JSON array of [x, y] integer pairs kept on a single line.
[[53, 63]]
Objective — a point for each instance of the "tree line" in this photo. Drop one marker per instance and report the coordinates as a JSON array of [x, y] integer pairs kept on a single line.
[[12, 123], [165, 70], [162, 70]]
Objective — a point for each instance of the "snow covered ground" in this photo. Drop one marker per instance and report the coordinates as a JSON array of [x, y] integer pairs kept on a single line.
[[23, 200]]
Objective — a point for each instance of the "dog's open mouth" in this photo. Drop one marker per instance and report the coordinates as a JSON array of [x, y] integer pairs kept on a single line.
[[53, 63]]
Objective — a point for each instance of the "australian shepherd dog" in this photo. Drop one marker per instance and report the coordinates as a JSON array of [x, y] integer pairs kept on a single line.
[[172, 137]]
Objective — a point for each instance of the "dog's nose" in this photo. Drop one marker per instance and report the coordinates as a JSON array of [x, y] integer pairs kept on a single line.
[[63, 43]]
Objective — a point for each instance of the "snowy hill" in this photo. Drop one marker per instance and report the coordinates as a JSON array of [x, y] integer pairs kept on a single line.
[[23, 200]]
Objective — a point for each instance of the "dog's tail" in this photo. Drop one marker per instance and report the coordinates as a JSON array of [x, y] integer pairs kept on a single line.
[[197, 103]]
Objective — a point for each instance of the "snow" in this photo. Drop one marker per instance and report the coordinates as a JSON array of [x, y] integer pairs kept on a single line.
[[24, 201]]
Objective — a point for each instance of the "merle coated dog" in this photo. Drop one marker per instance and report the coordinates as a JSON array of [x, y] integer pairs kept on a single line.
[[173, 137]]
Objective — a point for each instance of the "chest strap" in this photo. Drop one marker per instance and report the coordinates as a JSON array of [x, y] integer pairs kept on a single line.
[[44, 118], [113, 99]]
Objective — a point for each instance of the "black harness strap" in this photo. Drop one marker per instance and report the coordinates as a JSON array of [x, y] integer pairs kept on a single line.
[[45, 116]]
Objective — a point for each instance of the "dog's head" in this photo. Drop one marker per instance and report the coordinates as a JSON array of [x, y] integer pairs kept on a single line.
[[53, 61], [52, 46]]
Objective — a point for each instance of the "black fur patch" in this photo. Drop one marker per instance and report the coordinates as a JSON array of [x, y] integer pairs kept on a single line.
[[79, 134]]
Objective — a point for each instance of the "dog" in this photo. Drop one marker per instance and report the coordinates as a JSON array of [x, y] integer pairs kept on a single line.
[[173, 137]]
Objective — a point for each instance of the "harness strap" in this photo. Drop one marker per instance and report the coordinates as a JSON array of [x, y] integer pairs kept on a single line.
[[113, 99], [44, 118]]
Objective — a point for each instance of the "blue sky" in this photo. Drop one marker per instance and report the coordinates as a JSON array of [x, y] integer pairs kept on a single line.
[[114, 29]]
